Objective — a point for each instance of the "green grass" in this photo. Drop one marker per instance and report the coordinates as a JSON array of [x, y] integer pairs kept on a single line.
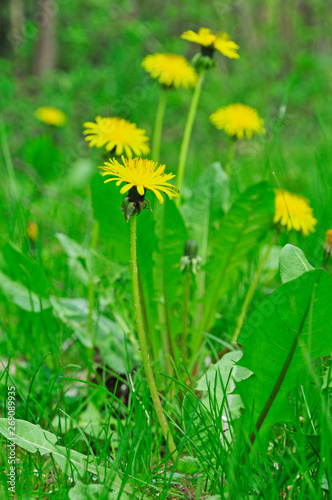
[[76, 368]]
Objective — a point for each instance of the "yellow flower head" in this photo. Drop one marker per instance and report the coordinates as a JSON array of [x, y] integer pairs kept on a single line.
[[32, 231], [220, 41], [171, 70], [51, 116], [238, 120], [328, 242], [141, 173], [294, 212], [118, 135]]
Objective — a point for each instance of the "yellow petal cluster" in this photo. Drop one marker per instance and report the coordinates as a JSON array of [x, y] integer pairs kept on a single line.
[[294, 212], [238, 120], [117, 134], [328, 242], [219, 41], [51, 116], [142, 173], [171, 70]]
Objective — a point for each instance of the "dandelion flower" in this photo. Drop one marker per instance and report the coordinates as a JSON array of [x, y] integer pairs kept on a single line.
[[294, 212], [118, 135], [142, 174], [51, 116], [328, 242], [238, 120], [32, 231], [171, 70], [210, 41]]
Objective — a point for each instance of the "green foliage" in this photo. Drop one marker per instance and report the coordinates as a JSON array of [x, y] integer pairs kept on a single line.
[[240, 231], [292, 263], [289, 329], [68, 326]]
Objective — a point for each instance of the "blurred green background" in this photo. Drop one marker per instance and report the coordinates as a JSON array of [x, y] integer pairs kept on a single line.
[[84, 57]]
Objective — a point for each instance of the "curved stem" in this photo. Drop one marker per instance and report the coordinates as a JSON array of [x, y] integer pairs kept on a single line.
[[187, 133], [185, 317], [143, 343], [252, 288], [158, 126]]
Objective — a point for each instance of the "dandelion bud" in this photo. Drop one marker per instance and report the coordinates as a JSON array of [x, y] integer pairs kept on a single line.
[[190, 261]]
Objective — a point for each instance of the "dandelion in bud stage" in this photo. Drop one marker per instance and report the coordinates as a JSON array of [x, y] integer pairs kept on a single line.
[[238, 121], [51, 116], [294, 212], [171, 70], [210, 41], [117, 135]]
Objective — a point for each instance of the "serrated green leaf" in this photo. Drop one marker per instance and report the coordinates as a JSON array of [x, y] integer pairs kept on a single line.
[[22, 269], [289, 329], [241, 230], [108, 335], [114, 230], [22, 296], [292, 263]]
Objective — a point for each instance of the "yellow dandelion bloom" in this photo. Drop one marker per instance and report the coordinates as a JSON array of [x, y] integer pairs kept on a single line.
[[171, 70], [294, 212], [51, 116], [204, 37], [141, 173], [118, 135], [32, 231], [226, 46], [328, 242], [219, 41], [238, 120]]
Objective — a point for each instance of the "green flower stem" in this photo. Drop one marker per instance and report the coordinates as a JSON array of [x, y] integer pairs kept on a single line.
[[230, 157], [187, 133], [158, 126], [143, 343], [252, 288], [185, 317], [91, 287]]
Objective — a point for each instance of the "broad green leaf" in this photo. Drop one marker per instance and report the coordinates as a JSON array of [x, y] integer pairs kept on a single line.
[[24, 270], [160, 246], [289, 329], [88, 492], [114, 230], [209, 200], [88, 264], [219, 382], [33, 438], [241, 230], [96, 492], [109, 337], [292, 263], [22, 296]]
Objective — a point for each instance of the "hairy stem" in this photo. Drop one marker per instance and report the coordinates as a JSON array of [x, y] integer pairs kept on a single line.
[[143, 343], [187, 133], [185, 317]]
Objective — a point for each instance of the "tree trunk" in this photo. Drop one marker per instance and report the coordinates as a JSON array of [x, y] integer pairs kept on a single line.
[[45, 19]]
